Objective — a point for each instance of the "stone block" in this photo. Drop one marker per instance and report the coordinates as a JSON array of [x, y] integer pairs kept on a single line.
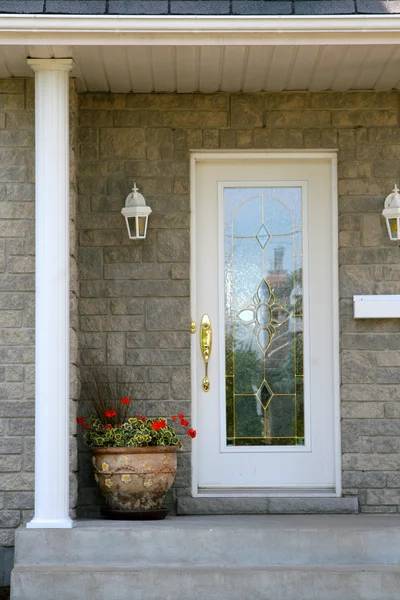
[[392, 410], [366, 118], [387, 445], [349, 239], [247, 110], [115, 348], [174, 339], [157, 357], [383, 497], [142, 339], [126, 254], [10, 463], [21, 426], [358, 367], [181, 383], [9, 482], [159, 374], [137, 118], [244, 138], [93, 306], [299, 118], [363, 410], [10, 445], [127, 306], [372, 479], [350, 436], [123, 323], [371, 230], [10, 518], [90, 262], [173, 246], [167, 314], [19, 500], [191, 119], [122, 143], [137, 271]]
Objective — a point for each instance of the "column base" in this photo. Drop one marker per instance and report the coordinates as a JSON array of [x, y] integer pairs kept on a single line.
[[38, 523]]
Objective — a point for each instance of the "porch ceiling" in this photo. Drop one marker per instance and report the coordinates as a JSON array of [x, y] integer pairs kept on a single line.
[[216, 68]]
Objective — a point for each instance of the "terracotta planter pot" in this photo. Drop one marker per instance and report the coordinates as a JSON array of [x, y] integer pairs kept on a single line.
[[134, 479]]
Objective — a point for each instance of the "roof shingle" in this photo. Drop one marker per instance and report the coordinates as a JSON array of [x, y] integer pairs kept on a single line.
[[201, 7]]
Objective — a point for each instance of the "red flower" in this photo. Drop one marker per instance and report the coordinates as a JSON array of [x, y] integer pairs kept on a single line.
[[157, 425], [110, 413], [85, 426], [192, 432], [125, 401], [143, 419], [184, 422], [181, 416], [174, 418], [108, 426], [80, 420]]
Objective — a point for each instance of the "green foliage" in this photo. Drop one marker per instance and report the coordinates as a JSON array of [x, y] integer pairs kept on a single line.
[[135, 432]]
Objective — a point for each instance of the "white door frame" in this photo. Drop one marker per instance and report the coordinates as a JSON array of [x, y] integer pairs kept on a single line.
[[331, 155]]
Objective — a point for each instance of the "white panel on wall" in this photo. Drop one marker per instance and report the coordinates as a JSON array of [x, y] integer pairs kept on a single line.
[[377, 307]]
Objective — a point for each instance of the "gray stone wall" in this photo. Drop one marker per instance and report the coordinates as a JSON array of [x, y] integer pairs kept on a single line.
[[134, 304], [17, 308]]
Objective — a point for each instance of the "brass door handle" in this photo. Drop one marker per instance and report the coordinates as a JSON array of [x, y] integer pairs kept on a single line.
[[205, 346]]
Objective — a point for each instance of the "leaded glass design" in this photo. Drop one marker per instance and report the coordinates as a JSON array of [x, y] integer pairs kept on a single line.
[[263, 316]]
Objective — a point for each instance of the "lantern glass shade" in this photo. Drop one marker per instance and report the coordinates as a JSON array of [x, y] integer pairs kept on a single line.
[[393, 228], [136, 223]]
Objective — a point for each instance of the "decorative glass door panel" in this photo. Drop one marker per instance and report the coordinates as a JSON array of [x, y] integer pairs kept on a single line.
[[263, 258], [263, 271]]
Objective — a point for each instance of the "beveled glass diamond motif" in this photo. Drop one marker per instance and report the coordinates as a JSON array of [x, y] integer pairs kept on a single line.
[[262, 236], [264, 394]]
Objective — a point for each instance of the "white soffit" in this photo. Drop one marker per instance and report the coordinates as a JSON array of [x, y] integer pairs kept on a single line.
[[209, 54]]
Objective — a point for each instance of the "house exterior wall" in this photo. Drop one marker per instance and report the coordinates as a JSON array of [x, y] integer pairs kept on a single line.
[[17, 309], [132, 292]]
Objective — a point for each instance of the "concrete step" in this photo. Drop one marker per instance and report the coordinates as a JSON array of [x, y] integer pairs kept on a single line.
[[229, 541], [205, 583]]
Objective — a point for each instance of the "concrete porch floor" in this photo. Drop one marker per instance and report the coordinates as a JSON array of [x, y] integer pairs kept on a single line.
[[291, 557]]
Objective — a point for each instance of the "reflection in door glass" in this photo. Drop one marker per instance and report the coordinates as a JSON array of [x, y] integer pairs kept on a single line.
[[264, 316]]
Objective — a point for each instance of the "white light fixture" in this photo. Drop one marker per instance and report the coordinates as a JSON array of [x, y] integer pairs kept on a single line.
[[391, 212], [136, 214]]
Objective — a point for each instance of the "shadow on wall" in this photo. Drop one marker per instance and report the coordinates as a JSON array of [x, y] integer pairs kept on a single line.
[[6, 565]]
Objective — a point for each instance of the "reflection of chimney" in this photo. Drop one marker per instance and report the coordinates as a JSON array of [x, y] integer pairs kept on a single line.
[[279, 252]]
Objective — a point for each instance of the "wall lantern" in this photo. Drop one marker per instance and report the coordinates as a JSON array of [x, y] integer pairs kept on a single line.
[[391, 212], [136, 214]]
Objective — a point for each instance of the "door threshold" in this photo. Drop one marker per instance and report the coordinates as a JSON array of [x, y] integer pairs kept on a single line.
[[267, 492], [257, 505]]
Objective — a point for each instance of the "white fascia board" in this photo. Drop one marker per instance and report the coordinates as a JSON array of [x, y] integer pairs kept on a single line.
[[198, 30]]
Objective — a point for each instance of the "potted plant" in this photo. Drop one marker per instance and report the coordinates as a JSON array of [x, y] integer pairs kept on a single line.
[[134, 457]]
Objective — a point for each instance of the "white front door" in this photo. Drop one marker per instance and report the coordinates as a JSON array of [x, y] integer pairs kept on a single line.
[[264, 272]]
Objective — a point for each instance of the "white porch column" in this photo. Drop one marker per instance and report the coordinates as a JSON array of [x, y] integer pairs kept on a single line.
[[52, 293]]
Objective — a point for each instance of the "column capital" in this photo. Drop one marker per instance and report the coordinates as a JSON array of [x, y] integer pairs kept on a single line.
[[51, 64]]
